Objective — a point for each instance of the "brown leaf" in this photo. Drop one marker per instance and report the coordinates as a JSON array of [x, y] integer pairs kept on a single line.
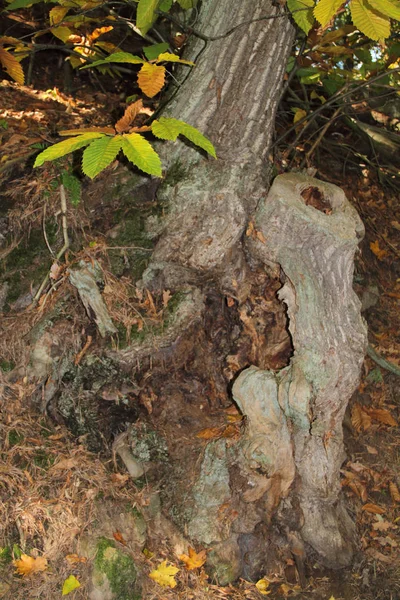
[[73, 559], [394, 492], [379, 253], [210, 433], [194, 560], [373, 509], [381, 526], [151, 79], [27, 565], [12, 66], [65, 464], [360, 419], [119, 537], [382, 415], [129, 116], [166, 297], [118, 479]]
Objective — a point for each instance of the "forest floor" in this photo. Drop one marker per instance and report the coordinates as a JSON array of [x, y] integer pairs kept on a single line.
[[53, 490]]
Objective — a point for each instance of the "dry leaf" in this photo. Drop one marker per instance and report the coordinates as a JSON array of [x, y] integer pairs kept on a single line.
[[65, 464], [164, 575], [194, 560], [360, 419], [27, 565], [55, 271], [151, 79], [73, 559], [129, 116], [383, 416], [374, 509], [118, 479], [381, 526], [371, 449], [210, 433], [379, 253], [394, 492], [166, 297], [262, 586], [119, 537]]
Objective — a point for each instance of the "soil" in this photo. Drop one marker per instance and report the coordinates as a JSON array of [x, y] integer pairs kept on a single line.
[[57, 465]]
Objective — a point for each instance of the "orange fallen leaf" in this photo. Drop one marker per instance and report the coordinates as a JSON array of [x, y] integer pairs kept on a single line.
[[73, 559], [374, 509], [360, 419], [394, 492], [383, 416], [210, 433], [379, 253], [194, 560], [27, 565], [119, 537]]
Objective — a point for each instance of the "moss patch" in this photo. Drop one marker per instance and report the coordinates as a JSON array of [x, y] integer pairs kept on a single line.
[[117, 569]]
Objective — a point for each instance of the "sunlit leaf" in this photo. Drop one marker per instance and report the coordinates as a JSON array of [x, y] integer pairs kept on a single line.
[[373, 24], [62, 33], [303, 18], [169, 57], [193, 560], [141, 153], [69, 585], [117, 57], [12, 66], [262, 585], [165, 575], [27, 565], [57, 14], [100, 154], [387, 8], [326, 10], [169, 129], [145, 14], [65, 147], [151, 79]]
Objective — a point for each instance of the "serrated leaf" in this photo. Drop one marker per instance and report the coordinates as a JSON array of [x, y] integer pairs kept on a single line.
[[145, 14], [57, 14], [186, 4], [326, 10], [65, 147], [100, 154], [303, 18], [372, 24], [151, 79], [141, 153], [151, 52], [69, 585], [21, 4], [117, 57], [166, 129], [169, 57], [169, 129], [124, 123], [12, 66], [386, 8], [164, 575], [193, 560]]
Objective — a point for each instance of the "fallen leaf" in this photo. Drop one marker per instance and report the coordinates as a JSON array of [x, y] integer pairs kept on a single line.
[[27, 565], [374, 509], [194, 560], [164, 575], [166, 297], [371, 450], [379, 253], [360, 419], [262, 586], [75, 558], [65, 464], [69, 585], [383, 416], [210, 433], [394, 492], [381, 526], [119, 537]]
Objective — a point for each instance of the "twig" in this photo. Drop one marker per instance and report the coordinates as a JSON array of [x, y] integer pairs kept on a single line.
[[44, 232], [321, 135], [382, 362], [63, 249]]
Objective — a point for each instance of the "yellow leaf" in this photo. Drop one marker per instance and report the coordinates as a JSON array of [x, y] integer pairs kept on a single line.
[[326, 10], [12, 66], [27, 565], [57, 14], [299, 114], [151, 79], [62, 33], [70, 584], [379, 253], [262, 586], [194, 560], [373, 24], [164, 575]]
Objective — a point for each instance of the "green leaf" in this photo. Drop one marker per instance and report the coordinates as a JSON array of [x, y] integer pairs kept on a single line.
[[303, 18], [186, 4], [371, 23], [151, 52], [169, 129], [65, 147], [165, 5], [100, 154], [326, 10], [117, 57], [169, 57], [166, 129], [70, 584], [141, 153], [145, 14], [386, 8], [21, 4]]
